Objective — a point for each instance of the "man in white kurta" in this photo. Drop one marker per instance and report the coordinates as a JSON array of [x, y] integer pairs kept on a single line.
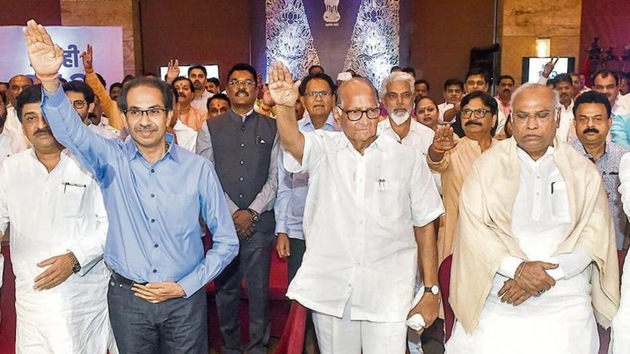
[[58, 230], [368, 197], [534, 262]]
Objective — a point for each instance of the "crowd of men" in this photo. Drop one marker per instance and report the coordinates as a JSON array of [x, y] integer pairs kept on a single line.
[[367, 192]]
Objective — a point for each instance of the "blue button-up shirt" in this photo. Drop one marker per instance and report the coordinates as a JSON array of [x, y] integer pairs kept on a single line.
[[154, 230], [608, 166], [293, 187]]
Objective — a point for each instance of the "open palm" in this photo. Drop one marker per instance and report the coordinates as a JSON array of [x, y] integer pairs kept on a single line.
[[281, 86], [45, 56]]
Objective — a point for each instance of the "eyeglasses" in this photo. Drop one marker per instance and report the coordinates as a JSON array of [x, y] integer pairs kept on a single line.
[[78, 104], [356, 114], [422, 110], [322, 94], [151, 112], [241, 83], [479, 112], [521, 117]]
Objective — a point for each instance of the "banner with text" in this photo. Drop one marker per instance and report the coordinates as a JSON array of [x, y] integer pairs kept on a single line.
[[107, 43]]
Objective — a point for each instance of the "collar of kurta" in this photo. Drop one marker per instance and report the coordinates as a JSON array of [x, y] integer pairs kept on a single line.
[[484, 236]]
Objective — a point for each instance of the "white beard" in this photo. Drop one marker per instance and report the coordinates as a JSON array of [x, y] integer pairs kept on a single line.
[[399, 118]]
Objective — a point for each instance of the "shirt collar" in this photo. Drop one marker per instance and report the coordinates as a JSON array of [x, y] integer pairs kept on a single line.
[[132, 149], [330, 123], [245, 115]]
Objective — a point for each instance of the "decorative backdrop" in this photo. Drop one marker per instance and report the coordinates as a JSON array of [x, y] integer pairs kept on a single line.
[[362, 35]]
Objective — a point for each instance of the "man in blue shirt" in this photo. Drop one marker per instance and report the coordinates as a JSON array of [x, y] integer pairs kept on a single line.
[[154, 192], [317, 95]]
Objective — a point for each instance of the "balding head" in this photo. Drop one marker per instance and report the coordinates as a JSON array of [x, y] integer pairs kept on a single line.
[[353, 86], [358, 111], [534, 118], [16, 85]]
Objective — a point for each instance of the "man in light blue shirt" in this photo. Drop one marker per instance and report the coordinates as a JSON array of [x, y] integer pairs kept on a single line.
[[154, 192], [317, 95]]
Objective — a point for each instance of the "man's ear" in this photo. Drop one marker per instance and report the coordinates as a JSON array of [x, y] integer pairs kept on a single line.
[[169, 119], [337, 112], [91, 107]]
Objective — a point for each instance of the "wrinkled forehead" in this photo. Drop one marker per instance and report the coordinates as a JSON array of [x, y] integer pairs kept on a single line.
[[357, 94], [538, 98]]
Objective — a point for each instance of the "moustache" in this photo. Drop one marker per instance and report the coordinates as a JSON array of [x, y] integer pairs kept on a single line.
[[43, 131], [506, 90], [242, 91], [472, 122], [590, 130], [146, 128]]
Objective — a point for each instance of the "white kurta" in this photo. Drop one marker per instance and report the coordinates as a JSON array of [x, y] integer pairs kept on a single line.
[[359, 217], [561, 320], [51, 214]]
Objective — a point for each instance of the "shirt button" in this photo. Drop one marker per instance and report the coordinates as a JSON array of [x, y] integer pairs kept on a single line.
[[152, 195], [241, 179], [152, 170], [242, 145], [152, 220], [156, 245], [240, 195], [242, 162], [154, 270]]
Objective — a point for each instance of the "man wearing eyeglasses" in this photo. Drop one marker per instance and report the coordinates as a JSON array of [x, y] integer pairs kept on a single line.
[[369, 213], [83, 100], [453, 157], [243, 146], [534, 251], [155, 193]]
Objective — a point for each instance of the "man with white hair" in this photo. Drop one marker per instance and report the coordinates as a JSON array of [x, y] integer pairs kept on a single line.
[[534, 262], [397, 97]]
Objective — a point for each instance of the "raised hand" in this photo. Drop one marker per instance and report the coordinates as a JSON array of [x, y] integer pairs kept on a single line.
[[87, 58], [549, 67], [444, 139], [281, 86], [173, 70], [46, 57]]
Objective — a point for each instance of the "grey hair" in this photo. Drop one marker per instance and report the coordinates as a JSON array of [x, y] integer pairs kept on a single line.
[[342, 87], [536, 86], [397, 76]]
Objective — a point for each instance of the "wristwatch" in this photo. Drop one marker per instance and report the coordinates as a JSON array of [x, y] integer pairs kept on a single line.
[[254, 215], [76, 266], [434, 289]]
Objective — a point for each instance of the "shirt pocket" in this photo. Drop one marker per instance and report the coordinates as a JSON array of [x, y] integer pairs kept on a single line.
[[386, 198], [71, 200], [560, 202], [182, 210]]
